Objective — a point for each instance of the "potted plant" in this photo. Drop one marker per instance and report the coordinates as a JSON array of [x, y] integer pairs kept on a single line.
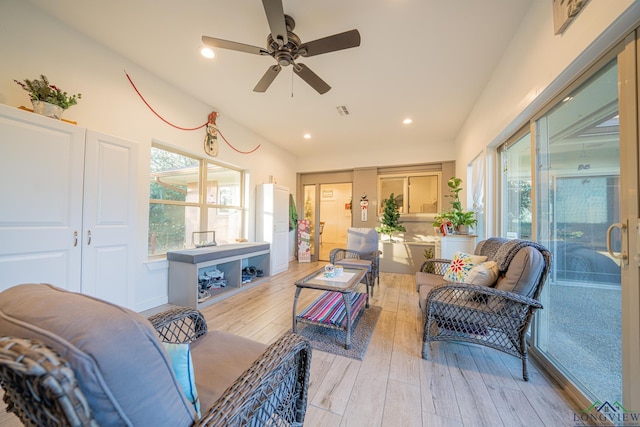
[[48, 99], [438, 221], [390, 217], [460, 219]]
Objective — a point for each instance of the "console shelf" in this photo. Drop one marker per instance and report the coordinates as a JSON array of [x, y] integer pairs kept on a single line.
[[186, 266]]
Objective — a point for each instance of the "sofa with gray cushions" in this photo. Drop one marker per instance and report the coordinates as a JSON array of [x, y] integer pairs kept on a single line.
[[487, 298], [70, 359]]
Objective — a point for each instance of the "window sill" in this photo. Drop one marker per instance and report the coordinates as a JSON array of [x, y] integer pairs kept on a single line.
[[157, 264]]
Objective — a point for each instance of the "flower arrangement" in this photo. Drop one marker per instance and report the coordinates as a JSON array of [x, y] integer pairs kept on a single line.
[[42, 90]]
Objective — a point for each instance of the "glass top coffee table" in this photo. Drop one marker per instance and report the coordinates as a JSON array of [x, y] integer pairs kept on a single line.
[[336, 308]]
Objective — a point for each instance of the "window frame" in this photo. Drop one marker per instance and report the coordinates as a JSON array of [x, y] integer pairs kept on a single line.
[[202, 203], [405, 177]]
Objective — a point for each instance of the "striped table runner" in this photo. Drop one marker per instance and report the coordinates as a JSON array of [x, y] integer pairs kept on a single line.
[[329, 308]]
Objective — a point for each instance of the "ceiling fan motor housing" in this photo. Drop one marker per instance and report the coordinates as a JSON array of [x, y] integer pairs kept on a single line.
[[286, 54]]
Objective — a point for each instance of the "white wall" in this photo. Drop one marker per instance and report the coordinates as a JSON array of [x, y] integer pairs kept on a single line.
[[535, 66], [32, 43]]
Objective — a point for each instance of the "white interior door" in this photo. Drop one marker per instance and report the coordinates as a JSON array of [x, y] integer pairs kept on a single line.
[[109, 218], [41, 169]]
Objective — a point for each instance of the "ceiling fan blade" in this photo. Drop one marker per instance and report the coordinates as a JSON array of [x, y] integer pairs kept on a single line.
[[226, 44], [345, 40], [275, 17], [311, 78], [267, 79]]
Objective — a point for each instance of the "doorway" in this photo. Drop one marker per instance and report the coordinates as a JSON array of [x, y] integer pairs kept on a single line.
[[335, 217]]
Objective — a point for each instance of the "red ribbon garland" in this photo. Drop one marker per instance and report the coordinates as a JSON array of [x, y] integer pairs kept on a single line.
[[211, 119]]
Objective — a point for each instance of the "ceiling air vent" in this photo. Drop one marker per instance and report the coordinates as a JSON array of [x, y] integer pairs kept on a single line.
[[343, 110]]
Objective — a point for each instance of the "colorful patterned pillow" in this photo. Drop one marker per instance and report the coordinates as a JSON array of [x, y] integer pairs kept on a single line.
[[461, 265]]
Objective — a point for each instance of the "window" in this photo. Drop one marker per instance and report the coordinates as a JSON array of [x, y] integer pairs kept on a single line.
[[475, 176], [190, 194], [421, 190], [516, 188]]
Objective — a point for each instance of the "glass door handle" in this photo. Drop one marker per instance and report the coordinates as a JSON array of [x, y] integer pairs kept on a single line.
[[623, 254]]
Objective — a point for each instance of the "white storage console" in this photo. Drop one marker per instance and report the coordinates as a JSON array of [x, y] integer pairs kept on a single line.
[[187, 266], [448, 245]]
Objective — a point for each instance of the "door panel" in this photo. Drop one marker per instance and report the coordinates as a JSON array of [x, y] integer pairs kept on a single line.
[[629, 88], [578, 188], [41, 171], [109, 218]]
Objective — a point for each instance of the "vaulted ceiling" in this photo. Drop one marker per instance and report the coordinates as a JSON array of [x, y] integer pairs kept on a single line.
[[424, 59]]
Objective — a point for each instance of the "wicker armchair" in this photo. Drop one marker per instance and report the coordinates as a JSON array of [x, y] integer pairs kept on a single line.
[[488, 315], [362, 244], [42, 388]]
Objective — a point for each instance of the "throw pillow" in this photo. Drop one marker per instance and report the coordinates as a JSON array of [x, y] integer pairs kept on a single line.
[[180, 355], [484, 274], [461, 265]]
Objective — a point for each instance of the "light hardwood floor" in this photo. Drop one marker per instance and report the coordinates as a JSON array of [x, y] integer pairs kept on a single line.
[[460, 384]]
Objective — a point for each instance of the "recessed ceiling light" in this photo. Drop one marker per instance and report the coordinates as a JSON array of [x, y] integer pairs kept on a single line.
[[307, 136], [207, 52], [407, 121]]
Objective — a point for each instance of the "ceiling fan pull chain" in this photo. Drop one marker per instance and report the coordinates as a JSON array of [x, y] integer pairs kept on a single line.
[[292, 84]]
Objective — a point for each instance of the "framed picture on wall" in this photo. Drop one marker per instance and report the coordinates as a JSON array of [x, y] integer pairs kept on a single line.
[[565, 11]]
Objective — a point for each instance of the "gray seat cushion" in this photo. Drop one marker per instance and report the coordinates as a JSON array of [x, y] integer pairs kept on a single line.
[[425, 282], [523, 273], [428, 279], [219, 358], [120, 364]]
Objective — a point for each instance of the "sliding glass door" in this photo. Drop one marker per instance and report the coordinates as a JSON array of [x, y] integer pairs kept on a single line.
[[578, 143], [570, 181]]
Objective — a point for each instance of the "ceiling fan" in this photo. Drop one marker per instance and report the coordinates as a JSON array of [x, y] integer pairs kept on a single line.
[[285, 47]]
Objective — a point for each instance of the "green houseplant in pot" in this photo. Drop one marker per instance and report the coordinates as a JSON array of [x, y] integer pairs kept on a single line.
[[460, 219], [48, 99], [390, 217]]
